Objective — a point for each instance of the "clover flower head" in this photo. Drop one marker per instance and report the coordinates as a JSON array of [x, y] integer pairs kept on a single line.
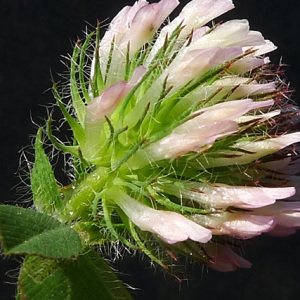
[[184, 135]]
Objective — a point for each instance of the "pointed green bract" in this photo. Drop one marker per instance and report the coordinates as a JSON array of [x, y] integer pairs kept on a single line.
[[46, 196], [25, 231], [77, 101], [79, 134]]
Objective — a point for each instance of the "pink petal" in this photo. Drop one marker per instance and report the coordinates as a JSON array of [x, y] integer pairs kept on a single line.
[[137, 76], [191, 64], [265, 147], [244, 89], [117, 28], [247, 226], [247, 64], [258, 117], [224, 259], [286, 214], [199, 32], [198, 12], [222, 195], [234, 33], [194, 15], [106, 103], [240, 225], [120, 23], [230, 110], [145, 23], [172, 227], [134, 26], [289, 219], [177, 144], [257, 150], [169, 226], [103, 107], [267, 47]]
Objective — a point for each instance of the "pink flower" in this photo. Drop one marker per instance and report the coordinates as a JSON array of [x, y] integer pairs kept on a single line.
[[246, 152], [247, 64], [257, 149], [207, 125], [223, 196], [105, 104], [132, 27], [169, 226], [145, 23], [231, 110], [236, 224], [177, 144], [235, 33], [189, 64], [286, 216], [102, 107], [224, 259], [194, 15]]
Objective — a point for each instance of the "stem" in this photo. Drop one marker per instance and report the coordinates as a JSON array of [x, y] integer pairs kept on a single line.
[[81, 203]]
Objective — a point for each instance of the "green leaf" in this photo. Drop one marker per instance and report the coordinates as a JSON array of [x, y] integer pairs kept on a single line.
[[92, 278], [26, 231], [88, 277], [42, 278], [46, 196]]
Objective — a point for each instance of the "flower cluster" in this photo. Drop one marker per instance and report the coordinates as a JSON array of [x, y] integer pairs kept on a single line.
[[184, 135]]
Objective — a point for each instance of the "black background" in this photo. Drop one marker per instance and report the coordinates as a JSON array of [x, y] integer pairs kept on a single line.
[[33, 35]]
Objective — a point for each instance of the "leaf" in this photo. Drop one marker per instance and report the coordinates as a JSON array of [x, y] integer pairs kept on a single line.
[[26, 231], [46, 196], [42, 278], [88, 277], [92, 278]]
